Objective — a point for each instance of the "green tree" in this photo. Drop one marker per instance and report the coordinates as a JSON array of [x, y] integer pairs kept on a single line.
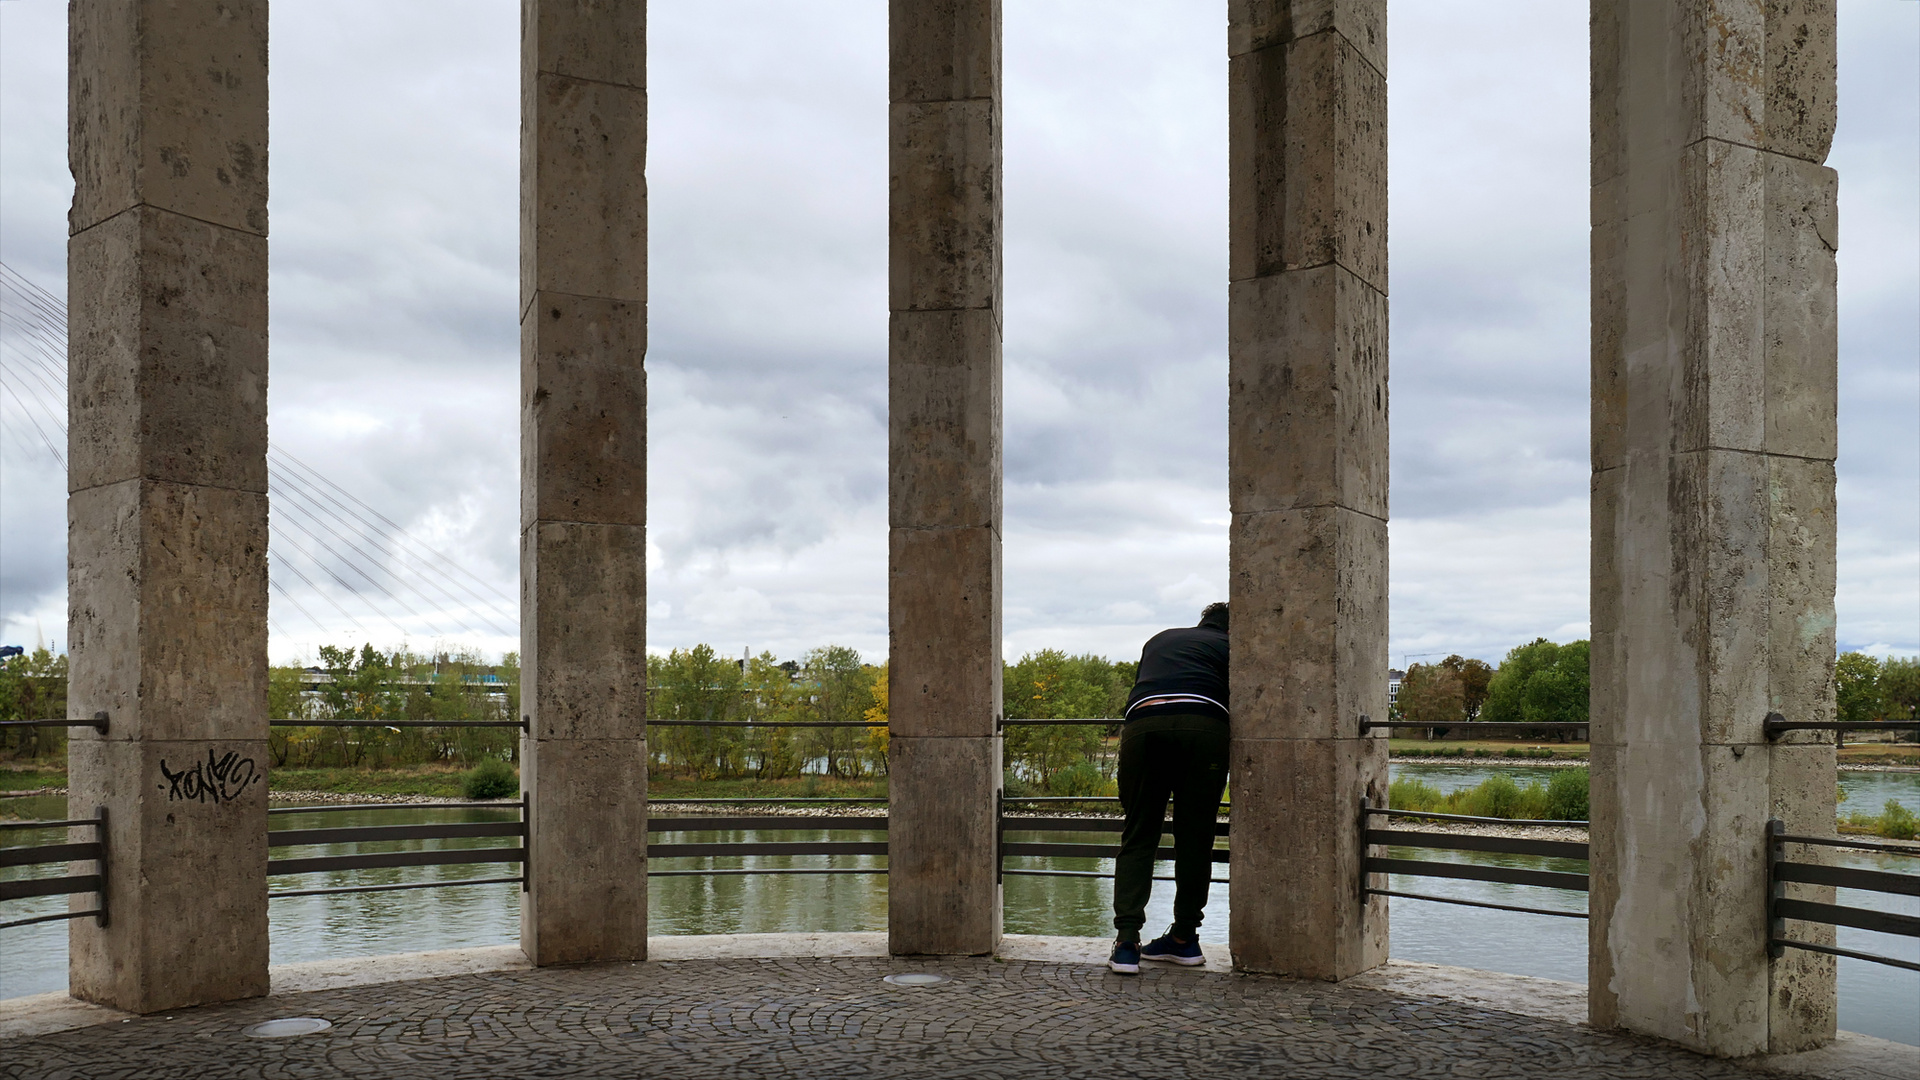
[[1051, 685], [1540, 682], [33, 686], [1900, 689], [1474, 675], [358, 688], [697, 684], [837, 687], [768, 693], [1432, 695], [1856, 688]]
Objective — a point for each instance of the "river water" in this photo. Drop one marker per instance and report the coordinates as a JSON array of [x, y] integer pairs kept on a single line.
[[1874, 999]]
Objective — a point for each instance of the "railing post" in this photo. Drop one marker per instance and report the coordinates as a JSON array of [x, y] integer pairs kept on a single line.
[[106, 877], [1776, 890]]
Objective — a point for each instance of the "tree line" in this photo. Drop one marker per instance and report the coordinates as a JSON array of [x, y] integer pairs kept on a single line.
[[1540, 682]]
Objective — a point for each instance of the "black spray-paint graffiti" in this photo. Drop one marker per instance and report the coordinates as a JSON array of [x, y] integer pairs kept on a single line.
[[220, 779]]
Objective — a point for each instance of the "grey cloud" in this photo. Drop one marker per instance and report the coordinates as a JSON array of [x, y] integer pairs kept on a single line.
[[395, 335]]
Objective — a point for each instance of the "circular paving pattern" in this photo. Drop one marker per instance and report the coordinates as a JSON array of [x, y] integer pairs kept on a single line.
[[838, 1018]]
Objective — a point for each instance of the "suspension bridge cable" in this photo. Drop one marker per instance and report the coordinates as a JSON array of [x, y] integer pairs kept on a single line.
[[314, 502], [302, 499]]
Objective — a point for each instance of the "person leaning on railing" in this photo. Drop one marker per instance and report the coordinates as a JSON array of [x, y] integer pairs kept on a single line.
[[1174, 743]]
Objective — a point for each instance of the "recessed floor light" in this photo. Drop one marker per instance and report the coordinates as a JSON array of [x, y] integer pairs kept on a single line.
[[288, 1028], [917, 978]]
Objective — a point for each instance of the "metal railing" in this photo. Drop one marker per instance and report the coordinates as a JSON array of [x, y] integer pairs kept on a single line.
[[1371, 837], [521, 723], [1777, 725], [1040, 823], [98, 722], [443, 830], [1369, 725], [766, 822], [94, 851], [1781, 907]]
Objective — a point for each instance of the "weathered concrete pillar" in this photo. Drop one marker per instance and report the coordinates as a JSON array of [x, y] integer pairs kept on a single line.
[[1714, 369], [943, 594], [167, 481], [1307, 476], [583, 476]]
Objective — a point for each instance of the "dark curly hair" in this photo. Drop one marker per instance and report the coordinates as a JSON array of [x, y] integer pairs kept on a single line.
[[1215, 616]]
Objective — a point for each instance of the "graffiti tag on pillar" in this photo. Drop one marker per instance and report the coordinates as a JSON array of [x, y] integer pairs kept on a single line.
[[220, 779]]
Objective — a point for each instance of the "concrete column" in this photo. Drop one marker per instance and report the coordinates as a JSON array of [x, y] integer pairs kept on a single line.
[[1714, 370], [944, 455], [583, 476], [1307, 476], [167, 504]]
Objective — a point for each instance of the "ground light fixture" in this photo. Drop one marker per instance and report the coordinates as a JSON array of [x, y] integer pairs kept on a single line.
[[288, 1027], [917, 978]]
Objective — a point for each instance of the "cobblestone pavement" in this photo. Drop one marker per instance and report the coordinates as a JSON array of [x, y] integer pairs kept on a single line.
[[836, 1018]]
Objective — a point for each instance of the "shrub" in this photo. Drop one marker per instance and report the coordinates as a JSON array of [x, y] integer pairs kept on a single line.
[[1567, 795], [1898, 822], [1410, 794], [1013, 787], [1081, 779], [1498, 796], [491, 779]]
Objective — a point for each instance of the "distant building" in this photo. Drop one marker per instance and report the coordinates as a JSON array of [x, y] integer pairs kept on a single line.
[[1394, 675]]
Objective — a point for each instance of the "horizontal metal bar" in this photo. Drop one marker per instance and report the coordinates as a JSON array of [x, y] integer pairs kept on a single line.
[[754, 873], [1103, 875], [1426, 815], [380, 859], [765, 723], [1884, 922], [1477, 903], [1776, 724], [97, 723], [48, 853], [1006, 723], [1870, 958], [1090, 851], [1009, 800], [95, 822], [1507, 845], [797, 800], [1505, 875], [773, 847], [1082, 824], [1834, 841], [446, 830], [1474, 725], [521, 724], [1848, 877], [52, 886], [337, 808], [50, 918], [275, 895], [767, 822]]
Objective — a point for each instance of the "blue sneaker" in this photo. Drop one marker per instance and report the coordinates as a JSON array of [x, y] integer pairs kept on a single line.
[[1125, 958], [1173, 951]]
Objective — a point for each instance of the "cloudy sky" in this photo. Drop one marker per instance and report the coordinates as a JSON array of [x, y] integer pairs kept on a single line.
[[394, 232]]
